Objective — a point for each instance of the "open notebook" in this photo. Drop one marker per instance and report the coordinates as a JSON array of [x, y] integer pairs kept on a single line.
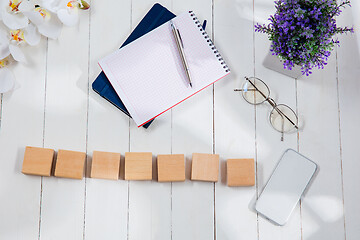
[[148, 75]]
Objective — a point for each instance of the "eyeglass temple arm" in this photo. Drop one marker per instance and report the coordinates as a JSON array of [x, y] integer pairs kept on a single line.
[[242, 90], [272, 104], [282, 128]]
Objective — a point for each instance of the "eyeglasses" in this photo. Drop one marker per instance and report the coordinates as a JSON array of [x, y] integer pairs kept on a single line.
[[282, 117]]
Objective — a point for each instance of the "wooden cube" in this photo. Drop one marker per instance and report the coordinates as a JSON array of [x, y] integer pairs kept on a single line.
[[70, 164], [38, 161], [240, 172], [171, 168], [138, 166], [205, 167], [105, 165]]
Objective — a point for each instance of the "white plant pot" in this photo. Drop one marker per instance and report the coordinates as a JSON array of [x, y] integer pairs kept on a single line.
[[274, 63]]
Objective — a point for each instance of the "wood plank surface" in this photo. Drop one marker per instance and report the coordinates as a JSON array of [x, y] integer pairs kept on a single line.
[[149, 201], [322, 206], [22, 125], [349, 105], [66, 128], [53, 106], [234, 118], [108, 128], [192, 124], [269, 147]]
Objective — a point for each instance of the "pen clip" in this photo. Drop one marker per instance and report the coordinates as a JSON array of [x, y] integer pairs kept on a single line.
[[182, 44], [204, 25]]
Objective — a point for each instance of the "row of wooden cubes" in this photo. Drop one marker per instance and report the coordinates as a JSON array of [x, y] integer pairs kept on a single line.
[[138, 166]]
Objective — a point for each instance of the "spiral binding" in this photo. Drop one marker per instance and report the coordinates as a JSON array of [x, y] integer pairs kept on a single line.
[[211, 44]]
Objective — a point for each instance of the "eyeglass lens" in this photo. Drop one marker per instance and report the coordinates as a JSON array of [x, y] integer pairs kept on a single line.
[[282, 118], [255, 91]]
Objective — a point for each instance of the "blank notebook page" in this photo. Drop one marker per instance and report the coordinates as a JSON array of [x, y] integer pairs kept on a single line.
[[148, 75]]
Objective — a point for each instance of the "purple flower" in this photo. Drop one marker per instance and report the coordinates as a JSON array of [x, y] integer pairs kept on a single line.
[[302, 32]]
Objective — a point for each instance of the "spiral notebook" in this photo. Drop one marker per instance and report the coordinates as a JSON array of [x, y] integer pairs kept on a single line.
[[148, 75], [154, 18]]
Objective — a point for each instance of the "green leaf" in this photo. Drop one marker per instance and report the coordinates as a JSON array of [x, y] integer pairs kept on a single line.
[[84, 5]]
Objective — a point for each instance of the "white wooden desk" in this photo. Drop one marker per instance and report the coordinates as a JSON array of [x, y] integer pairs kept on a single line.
[[55, 107]]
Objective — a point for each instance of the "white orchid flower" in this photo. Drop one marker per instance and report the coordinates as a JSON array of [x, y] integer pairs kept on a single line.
[[17, 39], [4, 45], [11, 14], [27, 19], [32, 35], [67, 11], [11, 46], [7, 78], [47, 24]]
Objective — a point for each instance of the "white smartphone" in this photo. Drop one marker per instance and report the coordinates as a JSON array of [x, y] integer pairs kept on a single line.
[[285, 187]]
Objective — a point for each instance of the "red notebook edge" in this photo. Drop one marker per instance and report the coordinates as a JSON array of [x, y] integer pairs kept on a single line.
[[182, 100]]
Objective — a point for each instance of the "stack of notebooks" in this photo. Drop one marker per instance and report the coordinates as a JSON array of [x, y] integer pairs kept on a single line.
[[145, 77]]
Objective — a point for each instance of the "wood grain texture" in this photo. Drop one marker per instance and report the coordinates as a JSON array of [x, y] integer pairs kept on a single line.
[[240, 172], [70, 164], [138, 166], [205, 167], [171, 167], [105, 165], [38, 161]]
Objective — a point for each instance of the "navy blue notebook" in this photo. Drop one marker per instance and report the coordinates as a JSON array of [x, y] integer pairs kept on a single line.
[[156, 16]]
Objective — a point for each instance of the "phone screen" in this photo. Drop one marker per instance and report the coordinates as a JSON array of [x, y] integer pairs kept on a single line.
[[285, 187]]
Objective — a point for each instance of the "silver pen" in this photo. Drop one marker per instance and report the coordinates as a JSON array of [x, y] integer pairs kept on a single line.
[[180, 47]]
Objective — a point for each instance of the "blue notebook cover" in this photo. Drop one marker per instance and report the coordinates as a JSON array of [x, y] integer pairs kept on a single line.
[[156, 16]]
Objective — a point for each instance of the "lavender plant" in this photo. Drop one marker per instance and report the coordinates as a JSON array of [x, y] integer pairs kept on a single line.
[[302, 32]]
